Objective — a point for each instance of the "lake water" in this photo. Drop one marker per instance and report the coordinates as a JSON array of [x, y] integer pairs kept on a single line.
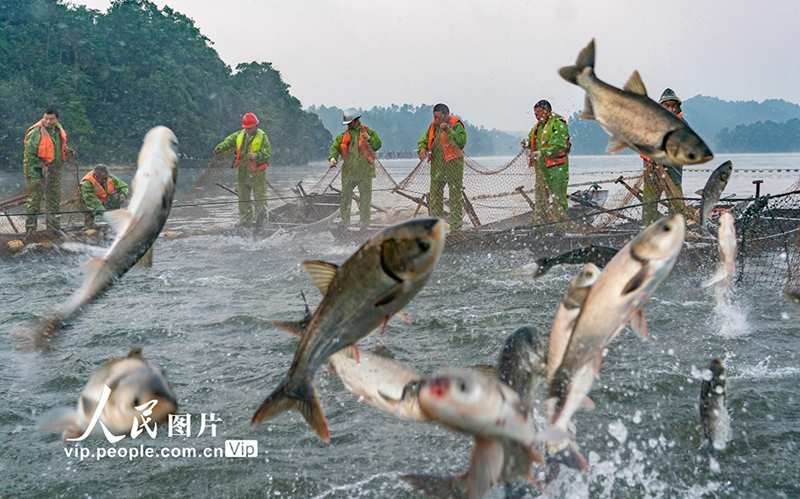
[[202, 311]]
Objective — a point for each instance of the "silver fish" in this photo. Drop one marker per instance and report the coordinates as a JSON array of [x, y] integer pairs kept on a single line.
[[133, 382], [521, 367], [628, 280], [634, 120], [713, 413], [567, 312], [715, 185], [137, 227], [726, 265], [375, 283]]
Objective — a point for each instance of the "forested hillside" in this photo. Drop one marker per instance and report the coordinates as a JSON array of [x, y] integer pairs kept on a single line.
[[113, 76], [400, 127]]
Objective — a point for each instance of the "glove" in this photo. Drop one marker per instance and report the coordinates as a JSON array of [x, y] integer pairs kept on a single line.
[[252, 156], [524, 143], [218, 150], [69, 153], [535, 155], [121, 199], [423, 154], [332, 162]]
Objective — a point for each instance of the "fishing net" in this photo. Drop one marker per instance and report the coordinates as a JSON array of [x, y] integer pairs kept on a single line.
[[12, 203], [499, 208]]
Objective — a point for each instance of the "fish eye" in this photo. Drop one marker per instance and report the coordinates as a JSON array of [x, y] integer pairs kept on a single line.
[[423, 245], [692, 155], [136, 402], [665, 228], [462, 386]]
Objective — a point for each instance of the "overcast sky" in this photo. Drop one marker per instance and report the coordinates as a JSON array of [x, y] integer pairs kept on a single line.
[[491, 60]]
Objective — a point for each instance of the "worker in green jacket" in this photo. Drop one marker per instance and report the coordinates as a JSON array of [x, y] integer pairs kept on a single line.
[[101, 191], [254, 144], [357, 146], [45, 151], [549, 146], [654, 184], [442, 146]]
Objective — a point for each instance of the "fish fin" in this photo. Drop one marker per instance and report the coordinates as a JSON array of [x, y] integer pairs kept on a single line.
[[699, 192], [332, 371], [388, 397], [297, 328], [382, 351], [91, 267], [351, 352], [635, 85], [615, 145], [636, 281], [392, 294], [436, 486], [119, 220], [649, 151], [588, 110], [719, 276], [485, 466], [577, 297], [404, 317], [280, 401], [321, 273], [534, 456], [585, 60], [135, 353], [638, 324], [486, 369], [587, 403], [569, 456], [57, 419]]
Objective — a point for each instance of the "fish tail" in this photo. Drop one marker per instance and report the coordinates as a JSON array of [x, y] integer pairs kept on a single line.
[[585, 60], [568, 455], [281, 400]]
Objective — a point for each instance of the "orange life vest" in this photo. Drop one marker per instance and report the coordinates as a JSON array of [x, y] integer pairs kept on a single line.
[[679, 115], [240, 140], [450, 150], [101, 192], [363, 146], [558, 159], [47, 150]]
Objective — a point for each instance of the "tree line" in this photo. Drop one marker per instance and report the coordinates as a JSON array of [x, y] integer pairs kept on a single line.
[[400, 128], [114, 76], [760, 137]]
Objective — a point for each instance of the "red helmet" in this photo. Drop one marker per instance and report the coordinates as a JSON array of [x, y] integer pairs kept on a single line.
[[249, 120]]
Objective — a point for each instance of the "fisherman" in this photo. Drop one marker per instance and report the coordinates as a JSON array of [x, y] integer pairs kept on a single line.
[[357, 146], [445, 152], [45, 151], [255, 142], [549, 146], [654, 185], [101, 191]]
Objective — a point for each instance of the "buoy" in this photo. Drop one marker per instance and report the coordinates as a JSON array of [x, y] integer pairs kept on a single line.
[[170, 235], [15, 245], [47, 245], [90, 232]]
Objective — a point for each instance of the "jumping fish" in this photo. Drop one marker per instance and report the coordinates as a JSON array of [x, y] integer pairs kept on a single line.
[[521, 367], [133, 382], [615, 299], [715, 185], [713, 413], [726, 265], [136, 227], [375, 283], [567, 312], [634, 120]]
